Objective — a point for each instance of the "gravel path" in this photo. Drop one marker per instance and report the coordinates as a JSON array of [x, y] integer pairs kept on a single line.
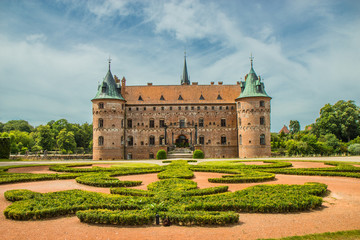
[[340, 211]]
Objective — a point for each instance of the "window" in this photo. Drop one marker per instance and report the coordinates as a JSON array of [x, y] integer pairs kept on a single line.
[[227, 107], [201, 122], [262, 104], [186, 108], [129, 123], [262, 120], [201, 140], [101, 105], [161, 140], [219, 97], [202, 97], [129, 156], [182, 123], [122, 140], [162, 123], [122, 123], [205, 107], [151, 155], [262, 139], [101, 123], [162, 98], [103, 90], [137, 109], [162, 108], [151, 123], [198, 108], [101, 141], [151, 140], [220, 107], [130, 140], [129, 108], [223, 122], [212, 108], [192, 108], [179, 108], [232, 107], [140, 98], [239, 121], [240, 139], [170, 108], [223, 140], [154, 108], [144, 108], [180, 98]]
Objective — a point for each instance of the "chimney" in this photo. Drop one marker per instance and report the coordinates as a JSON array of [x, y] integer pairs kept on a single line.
[[194, 83], [237, 83], [123, 83], [212, 83], [149, 83], [220, 83]]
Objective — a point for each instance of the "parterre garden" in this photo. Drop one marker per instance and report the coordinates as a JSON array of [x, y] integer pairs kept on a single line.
[[174, 196]]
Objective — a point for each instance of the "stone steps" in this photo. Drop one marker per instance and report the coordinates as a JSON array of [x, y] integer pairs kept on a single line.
[[179, 156]]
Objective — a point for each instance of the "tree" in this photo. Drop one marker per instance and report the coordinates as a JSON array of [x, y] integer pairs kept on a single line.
[[66, 141], [341, 119], [294, 126], [20, 125], [44, 137], [1, 127]]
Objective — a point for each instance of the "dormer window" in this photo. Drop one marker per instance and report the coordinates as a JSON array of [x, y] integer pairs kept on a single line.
[[180, 98], [103, 89], [162, 98], [202, 97], [219, 97], [140, 99]]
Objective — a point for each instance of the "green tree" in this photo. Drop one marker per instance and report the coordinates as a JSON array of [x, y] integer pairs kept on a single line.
[[1, 127], [44, 137], [66, 141], [294, 126], [341, 119], [20, 125]]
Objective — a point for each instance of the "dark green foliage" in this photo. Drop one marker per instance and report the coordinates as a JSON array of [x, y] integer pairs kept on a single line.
[[205, 191], [201, 217], [20, 125], [131, 192], [198, 154], [104, 216], [4, 148], [246, 176], [354, 149], [294, 126], [20, 194], [105, 180], [49, 205], [161, 154]]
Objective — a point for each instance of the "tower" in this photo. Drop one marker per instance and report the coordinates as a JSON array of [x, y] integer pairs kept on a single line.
[[253, 116], [185, 80], [108, 120]]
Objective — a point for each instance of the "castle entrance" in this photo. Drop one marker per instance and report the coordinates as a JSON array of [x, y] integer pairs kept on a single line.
[[182, 141]]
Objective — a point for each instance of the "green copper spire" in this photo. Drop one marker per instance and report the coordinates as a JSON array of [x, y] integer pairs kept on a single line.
[[185, 80], [252, 87], [109, 89]]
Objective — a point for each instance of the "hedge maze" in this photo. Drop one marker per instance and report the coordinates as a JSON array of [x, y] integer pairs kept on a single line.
[[174, 196]]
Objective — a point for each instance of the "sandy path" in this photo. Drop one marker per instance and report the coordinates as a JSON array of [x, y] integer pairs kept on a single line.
[[341, 211]]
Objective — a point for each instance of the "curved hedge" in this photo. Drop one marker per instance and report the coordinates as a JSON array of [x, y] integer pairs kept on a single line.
[[131, 192], [104, 180], [244, 177]]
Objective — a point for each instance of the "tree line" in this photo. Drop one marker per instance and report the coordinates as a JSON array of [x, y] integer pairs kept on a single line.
[[335, 132], [57, 135]]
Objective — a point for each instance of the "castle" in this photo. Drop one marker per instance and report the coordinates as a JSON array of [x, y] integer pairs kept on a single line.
[[224, 121]]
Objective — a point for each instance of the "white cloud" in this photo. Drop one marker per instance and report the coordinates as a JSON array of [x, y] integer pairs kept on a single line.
[[33, 38]]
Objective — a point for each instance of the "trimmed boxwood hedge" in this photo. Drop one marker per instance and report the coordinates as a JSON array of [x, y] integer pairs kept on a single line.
[[105, 180], [161, 154], [198, 154], [131, 192]]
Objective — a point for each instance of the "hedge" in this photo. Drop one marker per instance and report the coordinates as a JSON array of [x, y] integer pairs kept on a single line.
[[161, 154], [131, 192], [4, 148], [177, 169], [244, 177], [205, 191], [104, 180], [198, 154]]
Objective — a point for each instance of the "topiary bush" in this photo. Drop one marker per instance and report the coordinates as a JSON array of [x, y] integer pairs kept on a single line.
[[161, 154], [198, 154], [5, 148], [354, 149]]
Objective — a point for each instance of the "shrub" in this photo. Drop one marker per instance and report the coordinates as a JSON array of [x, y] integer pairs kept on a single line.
[[161, 154], [198, 154], [5, 148], [354, 149], [104, 180]]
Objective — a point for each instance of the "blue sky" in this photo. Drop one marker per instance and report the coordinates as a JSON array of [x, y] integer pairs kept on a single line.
[[54, 53]]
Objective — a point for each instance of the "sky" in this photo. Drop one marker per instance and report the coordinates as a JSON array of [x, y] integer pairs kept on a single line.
[[54, 53]]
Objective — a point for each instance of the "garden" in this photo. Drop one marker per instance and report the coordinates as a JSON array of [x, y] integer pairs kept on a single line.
[[175, 195]]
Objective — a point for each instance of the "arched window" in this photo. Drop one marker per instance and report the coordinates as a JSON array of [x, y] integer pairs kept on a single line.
[[151, 140], [101, 123], [130, 140], [101, 141], [223, 140], [240, 139], [101, 105], [201, 122], [262, 120], [201, 140], [262, 139], [161, 140], [151, 123], [262, 104]]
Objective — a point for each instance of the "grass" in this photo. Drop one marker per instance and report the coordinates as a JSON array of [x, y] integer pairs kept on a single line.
[[342, 235]]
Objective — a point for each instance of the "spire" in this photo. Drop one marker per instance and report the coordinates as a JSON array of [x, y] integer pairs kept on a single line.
[[185, 80], [251, 60], [109, 62]]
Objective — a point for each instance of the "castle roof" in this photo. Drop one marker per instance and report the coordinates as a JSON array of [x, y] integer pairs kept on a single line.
[[108, 89], [284, 130], [252, 87], [183, 94]]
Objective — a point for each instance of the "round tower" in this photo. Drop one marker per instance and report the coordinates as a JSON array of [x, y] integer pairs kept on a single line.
[[253, 116], [108, 120]]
